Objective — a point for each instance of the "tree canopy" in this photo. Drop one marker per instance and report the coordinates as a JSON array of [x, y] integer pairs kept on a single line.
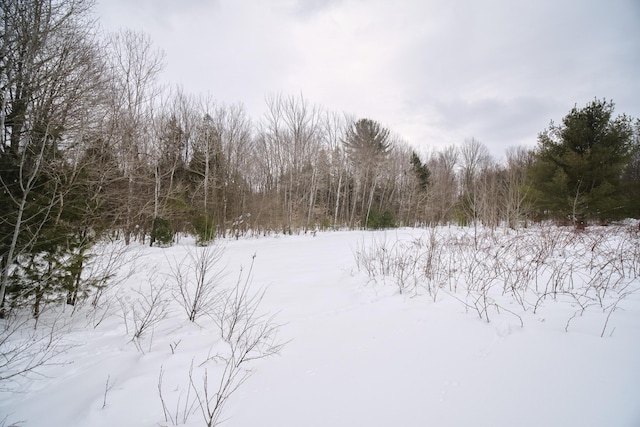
[[579, 164], [366, 140]]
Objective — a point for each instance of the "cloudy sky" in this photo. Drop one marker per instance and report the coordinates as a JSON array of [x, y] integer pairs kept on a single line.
[[436, 72]]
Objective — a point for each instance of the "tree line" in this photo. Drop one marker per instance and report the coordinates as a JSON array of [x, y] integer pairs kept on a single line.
[[92, 146]]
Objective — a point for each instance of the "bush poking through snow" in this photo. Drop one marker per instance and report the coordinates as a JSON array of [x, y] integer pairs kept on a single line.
[[249, 336], [25, 348], [145, 311], [197, 278], [489, 271]]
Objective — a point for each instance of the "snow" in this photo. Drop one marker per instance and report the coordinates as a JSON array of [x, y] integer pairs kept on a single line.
[[357, 352]]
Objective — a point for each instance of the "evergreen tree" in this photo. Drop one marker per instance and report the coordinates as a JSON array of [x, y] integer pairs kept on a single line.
[[368, 145], [421, 171], [579, 163], [367, 140], [631, 177]]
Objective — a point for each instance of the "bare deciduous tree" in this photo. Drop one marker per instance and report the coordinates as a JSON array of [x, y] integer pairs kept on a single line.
[[516, 193], [444, 185], [475, 159], [135, 67]]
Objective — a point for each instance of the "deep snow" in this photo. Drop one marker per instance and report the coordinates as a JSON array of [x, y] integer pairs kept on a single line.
[[357, 353]]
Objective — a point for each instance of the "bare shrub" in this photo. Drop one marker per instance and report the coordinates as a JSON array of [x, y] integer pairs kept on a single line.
[[249, 335], [240, 322], [111, 264], [25, 349], [254, 337], [107, 388], [180, 413], [400, 261], [196, 278], [487, 271], [145, 310], [374, 258], [203, 395], [5, 422]]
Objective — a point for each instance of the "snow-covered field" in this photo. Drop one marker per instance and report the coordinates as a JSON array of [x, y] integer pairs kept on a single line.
[[409, 327]]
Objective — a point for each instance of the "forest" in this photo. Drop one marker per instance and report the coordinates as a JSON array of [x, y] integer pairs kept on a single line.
[[93, 146]]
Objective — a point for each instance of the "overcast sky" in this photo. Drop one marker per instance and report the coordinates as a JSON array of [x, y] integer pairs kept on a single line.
[[436, 72]]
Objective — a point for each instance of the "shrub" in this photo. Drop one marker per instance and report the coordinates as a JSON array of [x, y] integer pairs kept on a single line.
[[162, 232], [377, 220], [205, 229]]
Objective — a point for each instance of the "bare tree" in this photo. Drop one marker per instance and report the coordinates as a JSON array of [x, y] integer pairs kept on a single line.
[[289, 144], [176, 140], [489, 186], [516, 193], [135, 65], [474, 159], [205, 164], [221, 154], [333, 126], [444, 185]]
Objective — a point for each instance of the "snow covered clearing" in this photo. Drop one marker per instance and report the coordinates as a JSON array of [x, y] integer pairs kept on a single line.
[[410, 327]]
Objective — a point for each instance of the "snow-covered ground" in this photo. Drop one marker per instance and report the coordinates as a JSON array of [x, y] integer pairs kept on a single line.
[[370, 338]]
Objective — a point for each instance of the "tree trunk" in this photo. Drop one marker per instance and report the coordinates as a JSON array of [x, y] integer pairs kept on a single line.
[[335, 215]]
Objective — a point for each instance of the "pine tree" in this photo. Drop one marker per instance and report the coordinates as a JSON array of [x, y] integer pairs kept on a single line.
[[368, 145], [631, 177], [421, 171], [579, 163]]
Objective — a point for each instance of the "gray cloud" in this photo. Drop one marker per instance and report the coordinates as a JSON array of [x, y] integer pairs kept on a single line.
[[434, 71], [308, 8]]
